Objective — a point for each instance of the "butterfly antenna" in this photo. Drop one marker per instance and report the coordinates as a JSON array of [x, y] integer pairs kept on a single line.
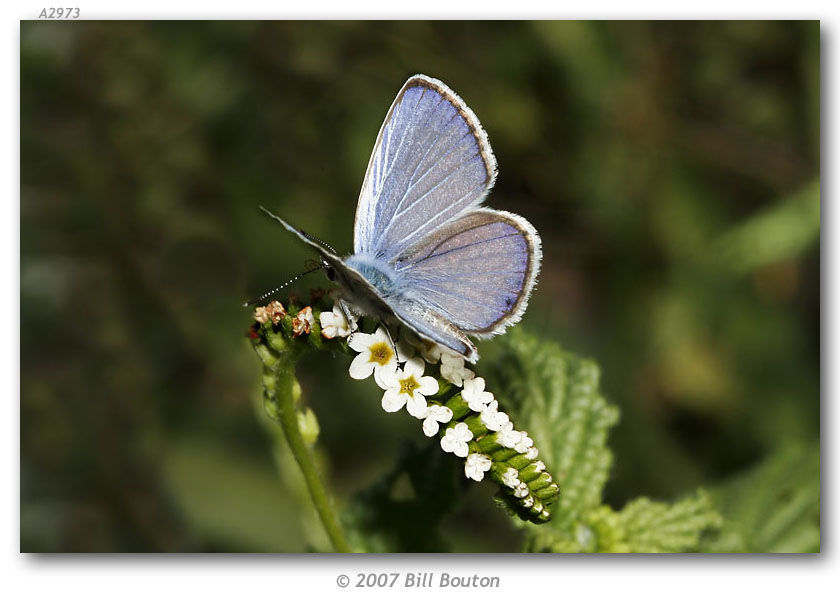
[[301, 231], [280, 287]]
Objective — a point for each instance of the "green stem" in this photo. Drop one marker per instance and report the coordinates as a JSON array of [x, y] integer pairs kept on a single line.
[[278, 382]]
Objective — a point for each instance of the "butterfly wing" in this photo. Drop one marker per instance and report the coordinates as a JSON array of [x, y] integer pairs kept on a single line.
[[364, 295], [476, 271], [431, 162]]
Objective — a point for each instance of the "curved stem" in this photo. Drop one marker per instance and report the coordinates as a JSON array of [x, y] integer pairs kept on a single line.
[[278, 381]]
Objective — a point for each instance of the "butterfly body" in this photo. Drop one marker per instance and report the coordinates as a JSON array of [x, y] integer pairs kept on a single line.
[[427, 255], [377, 272]]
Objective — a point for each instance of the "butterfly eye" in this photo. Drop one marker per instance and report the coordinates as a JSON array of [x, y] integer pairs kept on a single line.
[[330, 273]]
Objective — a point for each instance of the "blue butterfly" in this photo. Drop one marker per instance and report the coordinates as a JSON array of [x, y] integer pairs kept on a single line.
[[426, 253]]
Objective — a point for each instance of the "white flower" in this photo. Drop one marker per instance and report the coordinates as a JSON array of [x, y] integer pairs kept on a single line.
[[376, 355], [334, 324], [510, 478], [492, 418], [476, 465], [453, 370], [539, 466], [508, 436], [532, 453], [521, 490], [434, 416], [528, 502], [474, 394], [430, 351], [524, 443], [455, 440], [407, 387]]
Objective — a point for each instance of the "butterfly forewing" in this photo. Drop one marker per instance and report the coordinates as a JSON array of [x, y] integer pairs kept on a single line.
[[430, 163]]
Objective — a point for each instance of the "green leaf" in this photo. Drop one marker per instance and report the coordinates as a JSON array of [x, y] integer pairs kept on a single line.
[[660, 527], [554, 396], [774, 507], [642, 526]]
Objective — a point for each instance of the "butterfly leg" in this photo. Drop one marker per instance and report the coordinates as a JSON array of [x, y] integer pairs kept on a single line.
[[350, 315], [391, 339]]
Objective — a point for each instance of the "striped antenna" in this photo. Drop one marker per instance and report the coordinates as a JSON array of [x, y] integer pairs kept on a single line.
[[280, 287]]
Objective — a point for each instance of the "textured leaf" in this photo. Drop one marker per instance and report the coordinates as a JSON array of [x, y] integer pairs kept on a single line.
[[660, 527], [598, 530], [554, 396], [642, 526]]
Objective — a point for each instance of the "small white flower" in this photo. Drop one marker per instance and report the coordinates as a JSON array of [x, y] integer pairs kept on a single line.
[[508, 436], [455, 440], [436, 415], [524, 443], [539, 466], [453, 370], [528, 502], [521, 490], [408, 387], [474, 394], [532, 453], [492, 418], [430, 351], [510, 478], [476, 465], [376, 355], [334, 324]]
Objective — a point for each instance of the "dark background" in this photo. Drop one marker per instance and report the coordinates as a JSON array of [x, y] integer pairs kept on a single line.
[[672, 170]]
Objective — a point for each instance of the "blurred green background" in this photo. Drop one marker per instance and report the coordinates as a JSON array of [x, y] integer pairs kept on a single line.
[[672, 170]]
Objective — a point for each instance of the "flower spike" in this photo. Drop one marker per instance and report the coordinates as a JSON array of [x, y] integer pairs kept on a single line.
[[431, 383]]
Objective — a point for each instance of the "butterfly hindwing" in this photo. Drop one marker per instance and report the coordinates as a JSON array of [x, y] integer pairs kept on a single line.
[[477, 271]]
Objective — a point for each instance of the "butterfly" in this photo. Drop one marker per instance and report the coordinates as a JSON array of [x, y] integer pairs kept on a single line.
[[427, 255]]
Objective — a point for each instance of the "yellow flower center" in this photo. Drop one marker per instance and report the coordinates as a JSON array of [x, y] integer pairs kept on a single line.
[[381, 353], [408, 385]]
